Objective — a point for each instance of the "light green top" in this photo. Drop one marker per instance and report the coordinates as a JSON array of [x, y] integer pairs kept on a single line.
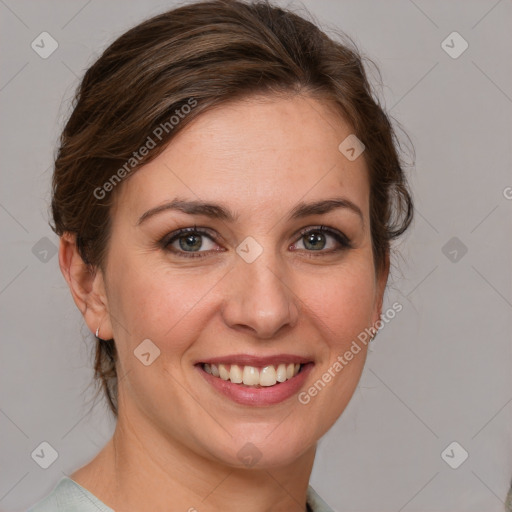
[[68, 496]]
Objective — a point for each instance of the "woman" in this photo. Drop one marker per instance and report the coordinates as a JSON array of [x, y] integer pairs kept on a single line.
[[226, 191]]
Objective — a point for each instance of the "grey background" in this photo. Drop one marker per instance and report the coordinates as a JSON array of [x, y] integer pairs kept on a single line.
[[439, 372]]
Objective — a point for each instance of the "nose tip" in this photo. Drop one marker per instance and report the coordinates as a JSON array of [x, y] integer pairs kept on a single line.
[[259, 300], [269, 325]]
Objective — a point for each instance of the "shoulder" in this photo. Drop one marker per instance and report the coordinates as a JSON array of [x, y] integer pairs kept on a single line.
[[68, 496], [316, 503]]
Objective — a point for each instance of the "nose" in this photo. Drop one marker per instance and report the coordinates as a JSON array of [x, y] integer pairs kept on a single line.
[[259, 299]]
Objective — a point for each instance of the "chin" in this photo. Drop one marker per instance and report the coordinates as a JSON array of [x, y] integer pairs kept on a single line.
[[272, 448]]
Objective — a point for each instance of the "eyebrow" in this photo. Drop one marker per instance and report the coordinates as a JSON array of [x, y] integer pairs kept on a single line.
[[217, 211]]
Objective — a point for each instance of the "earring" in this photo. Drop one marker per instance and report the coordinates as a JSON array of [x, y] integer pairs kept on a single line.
[[98, 333]]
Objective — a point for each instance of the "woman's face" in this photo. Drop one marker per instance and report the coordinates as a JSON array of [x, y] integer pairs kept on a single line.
[[253, 283]]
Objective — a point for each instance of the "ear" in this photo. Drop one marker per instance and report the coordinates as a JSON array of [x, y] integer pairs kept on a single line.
[[87, 287], [381, 281]]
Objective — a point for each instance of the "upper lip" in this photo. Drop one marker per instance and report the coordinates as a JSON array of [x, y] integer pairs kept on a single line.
[[250, 360]]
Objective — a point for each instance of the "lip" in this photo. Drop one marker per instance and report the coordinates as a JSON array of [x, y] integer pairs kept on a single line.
[[256, 361], [263, 396]]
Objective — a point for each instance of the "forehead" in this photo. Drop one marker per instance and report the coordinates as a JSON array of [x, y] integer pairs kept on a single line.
[[262, 152]]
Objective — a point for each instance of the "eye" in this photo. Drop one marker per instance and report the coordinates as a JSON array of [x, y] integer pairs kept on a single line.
[[194, 242], [189, 242], [316, 239]]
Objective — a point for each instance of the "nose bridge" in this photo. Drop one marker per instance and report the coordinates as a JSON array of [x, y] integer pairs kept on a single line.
[[259, 297]]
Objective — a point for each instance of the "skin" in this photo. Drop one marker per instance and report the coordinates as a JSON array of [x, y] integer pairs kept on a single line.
[[177, 439]]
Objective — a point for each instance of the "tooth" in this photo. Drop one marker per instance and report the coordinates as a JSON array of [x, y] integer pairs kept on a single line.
[[268, 376], [223, 372], [235, 374], [251, 376], [281, 373]]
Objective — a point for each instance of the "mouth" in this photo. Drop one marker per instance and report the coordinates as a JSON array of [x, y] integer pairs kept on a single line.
[[253, 376], [258, 383]]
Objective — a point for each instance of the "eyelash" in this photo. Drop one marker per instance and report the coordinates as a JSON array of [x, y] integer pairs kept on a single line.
[[165, 242]]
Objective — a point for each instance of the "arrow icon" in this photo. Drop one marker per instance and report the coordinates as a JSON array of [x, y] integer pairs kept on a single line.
[[454, 455], [454, 249], [44, 455], [146, 352], [454, 45], [44, 45], [249, 455], [351, 147], [44, 249], [249, 249]]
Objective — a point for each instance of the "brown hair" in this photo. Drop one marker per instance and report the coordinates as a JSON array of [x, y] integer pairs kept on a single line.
[[206, 54]]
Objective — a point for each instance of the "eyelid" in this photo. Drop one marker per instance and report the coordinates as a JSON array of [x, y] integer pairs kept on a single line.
[[343, 240], [191, 229], [339, 236]]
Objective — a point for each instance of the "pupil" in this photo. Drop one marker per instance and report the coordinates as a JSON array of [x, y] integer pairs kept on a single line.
[[315, 240], [193, 241]]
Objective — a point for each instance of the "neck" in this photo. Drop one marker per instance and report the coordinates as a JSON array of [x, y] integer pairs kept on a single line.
[[141, 468]]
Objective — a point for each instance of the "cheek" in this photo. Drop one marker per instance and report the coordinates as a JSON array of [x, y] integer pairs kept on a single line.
[[341, 304], [160, 304], [342, 301], [166, 307], [173, 306]]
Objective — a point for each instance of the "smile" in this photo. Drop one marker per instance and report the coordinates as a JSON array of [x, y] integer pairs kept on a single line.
[[266, 376], [256, 381]]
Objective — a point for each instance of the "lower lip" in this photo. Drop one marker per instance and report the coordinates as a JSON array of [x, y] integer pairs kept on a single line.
[[270, 395]]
